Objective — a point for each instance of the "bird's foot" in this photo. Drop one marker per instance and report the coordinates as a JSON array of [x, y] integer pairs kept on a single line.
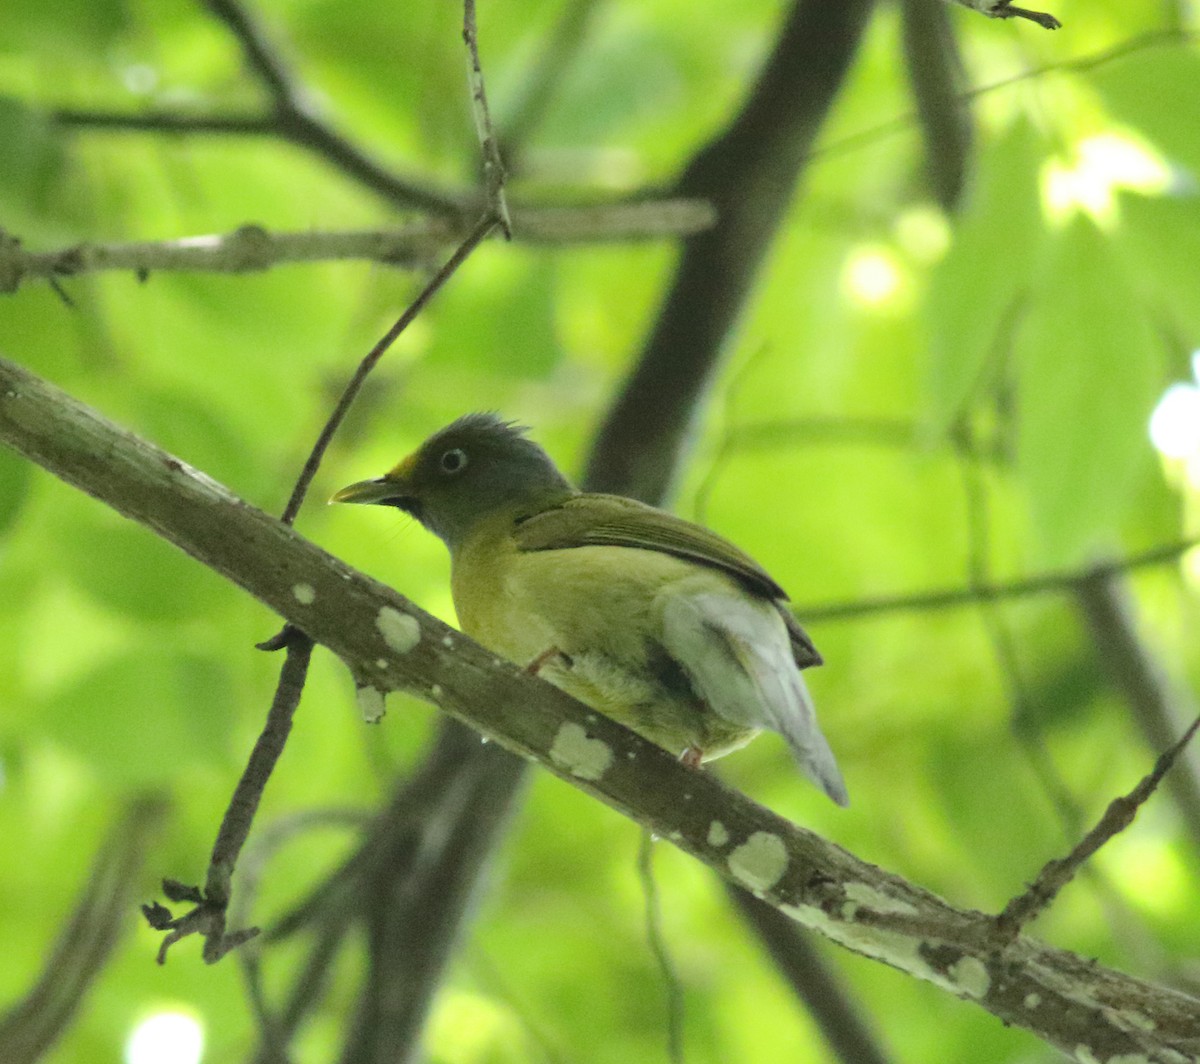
[[544, 659], [692, 756]]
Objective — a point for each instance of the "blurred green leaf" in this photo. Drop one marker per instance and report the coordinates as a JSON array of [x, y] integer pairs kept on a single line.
[[1157, 92], [1161, 237], [508, 302], [986, 272], [132, 571], [146, 716], [1089, 370], [31, 156], [83, 26], [16, 473]]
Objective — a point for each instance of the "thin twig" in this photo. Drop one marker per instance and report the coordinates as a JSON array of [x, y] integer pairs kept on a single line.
[[210, 905], [1054, 582], [493, 165], [482, 228], [1004, 9], [1058, 873], [261, 57], [207, 917], [905, 122], [1159, 707]]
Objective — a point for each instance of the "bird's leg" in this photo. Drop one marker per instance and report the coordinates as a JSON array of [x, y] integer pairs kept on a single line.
[[692, 756], [545, 657]]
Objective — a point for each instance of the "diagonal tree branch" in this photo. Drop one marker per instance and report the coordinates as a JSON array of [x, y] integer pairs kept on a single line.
[[1159, 707], [1077, 1005], [749, 174]]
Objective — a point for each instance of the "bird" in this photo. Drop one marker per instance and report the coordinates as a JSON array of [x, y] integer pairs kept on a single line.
[[645, 617]]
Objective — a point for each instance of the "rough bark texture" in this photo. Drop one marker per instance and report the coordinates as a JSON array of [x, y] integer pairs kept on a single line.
[[1087, 1010]]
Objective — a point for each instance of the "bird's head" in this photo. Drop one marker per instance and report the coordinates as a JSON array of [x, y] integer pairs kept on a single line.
[[471, 470]]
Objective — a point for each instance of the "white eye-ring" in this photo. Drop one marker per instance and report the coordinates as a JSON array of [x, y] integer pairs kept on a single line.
[[454, 461]]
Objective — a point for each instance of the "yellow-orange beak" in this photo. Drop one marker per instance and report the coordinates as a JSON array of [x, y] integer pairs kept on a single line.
[[378, 491], [390, 489]]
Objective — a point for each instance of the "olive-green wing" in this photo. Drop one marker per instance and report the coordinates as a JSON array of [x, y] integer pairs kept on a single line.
[[594, 520]]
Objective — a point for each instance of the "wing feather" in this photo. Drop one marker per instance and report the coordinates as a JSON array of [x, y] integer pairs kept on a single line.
[[739, 658], [595, 520]]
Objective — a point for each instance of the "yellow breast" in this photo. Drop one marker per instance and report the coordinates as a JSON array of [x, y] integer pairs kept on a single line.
[[602, 608]]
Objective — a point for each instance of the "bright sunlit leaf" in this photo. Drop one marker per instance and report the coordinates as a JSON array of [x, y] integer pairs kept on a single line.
[[1098, 168], [976, 287], [168, 1037], [1089, 370], [872, 277], [1175, 423]]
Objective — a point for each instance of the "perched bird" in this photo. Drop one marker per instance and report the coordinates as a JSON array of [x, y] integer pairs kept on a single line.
[[650, 619]]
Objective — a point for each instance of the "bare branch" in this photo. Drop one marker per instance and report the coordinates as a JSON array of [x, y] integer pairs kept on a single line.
[[1077, 1005], [493, 165], [477, 235], [1052, 583], [414, 246], [1058, 873], [1159, 706], [207, 916], [1004, 9], [939, 78]]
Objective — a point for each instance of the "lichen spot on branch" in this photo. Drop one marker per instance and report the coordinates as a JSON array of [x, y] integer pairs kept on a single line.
[[760, 861], [971, 975], [718, 834], [581, 756], [400, 631], [370, 704], [305, 594]]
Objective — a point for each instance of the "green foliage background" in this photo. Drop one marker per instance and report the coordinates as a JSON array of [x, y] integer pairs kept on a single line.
[[125, 667]]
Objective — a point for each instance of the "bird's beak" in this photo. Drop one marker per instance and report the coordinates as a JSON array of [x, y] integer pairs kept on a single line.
[[394, 488], [381, 491]]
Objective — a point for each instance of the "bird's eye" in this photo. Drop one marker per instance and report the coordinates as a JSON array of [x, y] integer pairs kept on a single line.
[[454, 461]]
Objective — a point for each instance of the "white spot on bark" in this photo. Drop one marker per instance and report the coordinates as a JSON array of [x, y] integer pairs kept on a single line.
[[971, 975], [896, 948], [436, 690], [400, 631], [760, 861], [448, 642], [718, 834], [866, 896], [1084, 1055], [1136, 1020], [382, 662], [1032, 1001], [370, 704], [581, 756], [305, 594]]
